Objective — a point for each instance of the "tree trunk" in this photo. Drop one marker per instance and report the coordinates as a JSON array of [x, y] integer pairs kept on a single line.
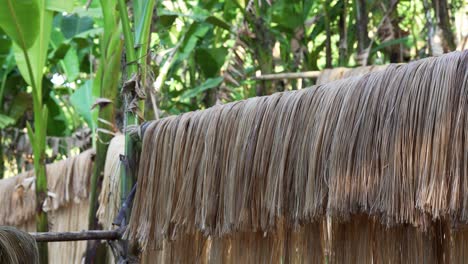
[[342, 26], [362, 36], [328, 50], [443, 21]]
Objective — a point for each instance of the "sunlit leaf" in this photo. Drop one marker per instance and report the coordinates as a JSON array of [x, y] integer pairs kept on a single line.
[[37, 53], [194, 34], [392, 42], [17, 19], [70, 64], [59, 5], [82, 100], [6, 121]]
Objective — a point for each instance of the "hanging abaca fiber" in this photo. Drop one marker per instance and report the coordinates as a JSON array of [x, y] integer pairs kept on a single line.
[[67, 203], [368, 169], [334, 74], [109, 197], [17, 247]]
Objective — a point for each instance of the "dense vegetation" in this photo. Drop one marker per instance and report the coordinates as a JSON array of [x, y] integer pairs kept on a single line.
[[204, 51]]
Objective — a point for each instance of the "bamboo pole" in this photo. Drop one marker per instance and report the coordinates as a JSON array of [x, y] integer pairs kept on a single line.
[[287, 75]]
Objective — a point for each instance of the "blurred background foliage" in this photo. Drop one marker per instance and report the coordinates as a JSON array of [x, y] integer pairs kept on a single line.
[[204, 52]]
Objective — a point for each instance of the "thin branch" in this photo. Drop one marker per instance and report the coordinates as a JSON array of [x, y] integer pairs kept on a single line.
[[288, 75], [76, 236]]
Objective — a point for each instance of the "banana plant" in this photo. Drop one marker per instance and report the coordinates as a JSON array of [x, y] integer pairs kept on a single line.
[[30, 49], [105, 88]]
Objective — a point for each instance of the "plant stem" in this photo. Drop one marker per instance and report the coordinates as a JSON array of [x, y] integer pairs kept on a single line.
[[128, 39], [106, 86], [129, 118], [38, 137]]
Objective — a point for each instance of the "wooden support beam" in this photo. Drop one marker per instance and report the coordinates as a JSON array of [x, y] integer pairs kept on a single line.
[[92, 234], [287, 75], [75, 236]]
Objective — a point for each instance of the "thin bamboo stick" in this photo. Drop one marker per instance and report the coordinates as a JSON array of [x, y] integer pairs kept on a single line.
[[287, 75], [76, 236]]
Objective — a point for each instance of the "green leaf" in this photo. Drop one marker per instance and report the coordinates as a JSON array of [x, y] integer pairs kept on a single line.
[[6, 121], [65, 54], [208, 84], [73, 25], [216, 21], [143, 12], [199, 15], [60, 5], [196, 32], [37, 53], [57, 122], [21, 102], [390, 43], [19, 19], [7, 64], [70, 64], [167, 20], [210, 60], [82, 100], [5, 46], [59, 44], [31, 135]]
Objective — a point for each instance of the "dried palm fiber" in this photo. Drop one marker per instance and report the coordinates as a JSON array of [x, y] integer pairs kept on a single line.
[[109, 197], [329, 75], [67, 203], [391, 145], [280, 246], [17, 247]]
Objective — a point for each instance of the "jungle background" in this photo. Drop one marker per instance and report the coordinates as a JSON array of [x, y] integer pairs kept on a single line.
[[198, 53]]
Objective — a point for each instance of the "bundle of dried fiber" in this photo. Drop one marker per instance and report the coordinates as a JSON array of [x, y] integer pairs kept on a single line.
[[391, 144], [364, 239], [67, 204], [17, 202], [301, 245], [72, 217], [109, 198], [329, 75], [17, 247], [67, 180]]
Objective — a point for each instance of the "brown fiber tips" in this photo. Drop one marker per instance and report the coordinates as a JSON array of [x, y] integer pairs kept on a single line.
[[391, 144]]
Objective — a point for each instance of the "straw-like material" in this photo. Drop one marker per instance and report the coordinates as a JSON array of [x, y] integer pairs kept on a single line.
[[67, 180], [17, 247], [303, 245], [391, 144], [329, 75], [67, 203], [109, 198]]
